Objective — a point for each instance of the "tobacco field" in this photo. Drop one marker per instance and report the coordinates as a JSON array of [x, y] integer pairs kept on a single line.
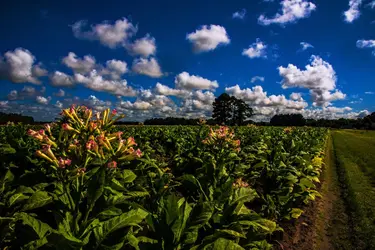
[[83, 183]]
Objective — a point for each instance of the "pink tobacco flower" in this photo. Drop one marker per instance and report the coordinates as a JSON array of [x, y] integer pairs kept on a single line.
[[92, 126], [81, 171], [131, 142], [112, 164], [68, 162], [131, 150], [138, 153], [72, 108], [120, 145], [237, 143], [63, 163], [48, 128], [67, 127], [119, 134], [90, 144], [88, 113], [41, 132], [31, 132], [97, 115], [114, 112]]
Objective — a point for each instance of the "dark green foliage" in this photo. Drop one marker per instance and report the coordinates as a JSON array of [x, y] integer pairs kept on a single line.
[[11, 117], [288, 120], [182, 194]]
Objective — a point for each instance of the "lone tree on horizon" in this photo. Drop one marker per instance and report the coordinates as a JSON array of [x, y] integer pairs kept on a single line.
[[229, 110]]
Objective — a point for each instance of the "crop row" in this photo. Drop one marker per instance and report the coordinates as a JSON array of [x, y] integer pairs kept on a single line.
[[83, 183]]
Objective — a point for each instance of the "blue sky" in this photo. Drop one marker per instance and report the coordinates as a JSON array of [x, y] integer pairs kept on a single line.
[[171, 58]]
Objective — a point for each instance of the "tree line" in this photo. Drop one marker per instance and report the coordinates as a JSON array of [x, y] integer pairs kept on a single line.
[[231, 111], [12, 117]]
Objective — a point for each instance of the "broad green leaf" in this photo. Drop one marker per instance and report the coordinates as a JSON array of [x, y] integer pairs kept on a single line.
[[25, 190], [8, 177], [296, 213], [130, 218], [306, 183], [85, 236], [231, 233], [223, 244], [145, 239], [95, 189], [17, 198], [115, 184], [38, 199], [244, 194], [191, 179], [109, 213], [39, 227], [201, 214], [263, 245], [260, 225], [128, 176], [117, 246], [123, 198], [132, 240], [179, 226], [6, 149], [63, 240], [191, 235], [35, 244]]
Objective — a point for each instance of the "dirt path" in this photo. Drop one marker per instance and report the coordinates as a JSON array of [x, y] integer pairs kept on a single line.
[[332, 222], [324, 224]]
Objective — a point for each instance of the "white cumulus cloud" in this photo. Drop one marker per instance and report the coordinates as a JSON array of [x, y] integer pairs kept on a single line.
[[291, 11], [305, 46], [58, 105], [110, 35], [18, 67], [256, 50], [353, 12], [78, 65], [258, 98], [366, 44], [42, 100], [149, 67], [186, 81], [60, 93], [295, 96], [208, 38], [319, 77], [115, 69], [144, 47], [239, 14], [60, 79], [257, 78], [165, 90], [96, 82]]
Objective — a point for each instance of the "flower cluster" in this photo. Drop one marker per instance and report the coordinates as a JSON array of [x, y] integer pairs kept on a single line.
[[252, 126], [240, 183], [288, 130], [84, 138], [224, 137], [202, 121]]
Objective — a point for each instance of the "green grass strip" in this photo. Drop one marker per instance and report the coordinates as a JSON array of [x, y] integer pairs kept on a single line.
[[353, 157]]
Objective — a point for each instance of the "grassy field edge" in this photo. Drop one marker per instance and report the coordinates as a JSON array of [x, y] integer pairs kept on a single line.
[[356, 190], [331, 227]]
